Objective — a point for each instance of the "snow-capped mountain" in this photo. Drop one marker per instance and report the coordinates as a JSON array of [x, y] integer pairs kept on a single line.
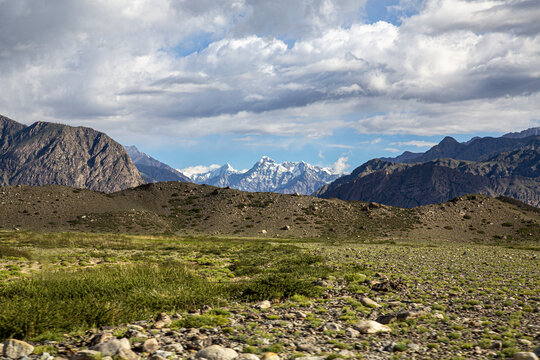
[[267, 175]]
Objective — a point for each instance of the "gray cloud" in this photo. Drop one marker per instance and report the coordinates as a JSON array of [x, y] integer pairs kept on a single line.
[[450, 68]]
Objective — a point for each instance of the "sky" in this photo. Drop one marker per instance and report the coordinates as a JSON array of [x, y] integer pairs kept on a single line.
[[330, 82]]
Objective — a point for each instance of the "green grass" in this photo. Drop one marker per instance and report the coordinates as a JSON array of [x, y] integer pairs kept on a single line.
[[97, 297], [148, 275]]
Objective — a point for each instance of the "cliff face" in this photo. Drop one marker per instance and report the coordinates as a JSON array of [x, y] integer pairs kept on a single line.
[[46, 153], [514, 174]]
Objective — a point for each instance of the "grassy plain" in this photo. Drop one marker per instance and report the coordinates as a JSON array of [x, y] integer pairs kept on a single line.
[[476, 295]]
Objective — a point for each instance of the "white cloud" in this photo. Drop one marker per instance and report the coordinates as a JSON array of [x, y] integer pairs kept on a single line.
[[198, 169], [341, 165], [417, 143], [300, 68], [392, 150]]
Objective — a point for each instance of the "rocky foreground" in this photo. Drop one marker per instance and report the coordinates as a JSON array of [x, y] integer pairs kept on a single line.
[[273, 331]]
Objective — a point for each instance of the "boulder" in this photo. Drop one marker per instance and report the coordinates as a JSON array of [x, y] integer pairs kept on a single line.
[[15, 349]]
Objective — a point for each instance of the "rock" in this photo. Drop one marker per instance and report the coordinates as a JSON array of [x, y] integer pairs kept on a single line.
[[413, 347], [165, 354], [157, 357], [311, 358], [216, 352], [371, 327], [369, 303], [525, 356], [525, 342], [247, 357], [270, 356], [101, 338], [112, 347], [333, 326], [162, 321], [537, 351], [14, 349], [264, 231], [347, 354], [125, 354], [86, 355], [386, 319], [264, 305], [286, 227], [350, 332], [309, 348], [408, 315], [438, 316], [150, 346], [177, 348]]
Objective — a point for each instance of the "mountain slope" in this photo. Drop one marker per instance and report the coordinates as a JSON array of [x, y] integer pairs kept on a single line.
[[192, 209], [46, 153], [153, 170], [513, 174], [268, 176], [476, 149], [523, 134]]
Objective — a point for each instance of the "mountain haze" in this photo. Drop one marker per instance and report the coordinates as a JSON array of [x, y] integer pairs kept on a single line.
[[47, 153]]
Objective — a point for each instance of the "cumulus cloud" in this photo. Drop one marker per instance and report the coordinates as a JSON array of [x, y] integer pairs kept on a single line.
[[302, 68], [341, 165], [198, 169]]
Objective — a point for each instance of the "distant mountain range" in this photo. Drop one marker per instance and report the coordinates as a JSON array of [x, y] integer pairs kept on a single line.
[[268, 175], [47, 153], [504, 166], [153, 170]]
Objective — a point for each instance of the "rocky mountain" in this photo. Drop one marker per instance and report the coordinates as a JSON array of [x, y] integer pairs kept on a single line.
[[476, 149], [47, 153], [523, 134], [267, 175], [514, 174], [153, 170]]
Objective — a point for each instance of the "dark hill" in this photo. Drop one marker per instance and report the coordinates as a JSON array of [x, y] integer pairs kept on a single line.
[[153, 170], [513, 174], [190, 209], [47, 153]]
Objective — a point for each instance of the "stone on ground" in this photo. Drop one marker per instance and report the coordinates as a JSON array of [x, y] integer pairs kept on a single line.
[[15, 349], [525, 356], [371, 327], [216, 352], [112, 347], [150, 346], [86, 355], [270, 356]]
